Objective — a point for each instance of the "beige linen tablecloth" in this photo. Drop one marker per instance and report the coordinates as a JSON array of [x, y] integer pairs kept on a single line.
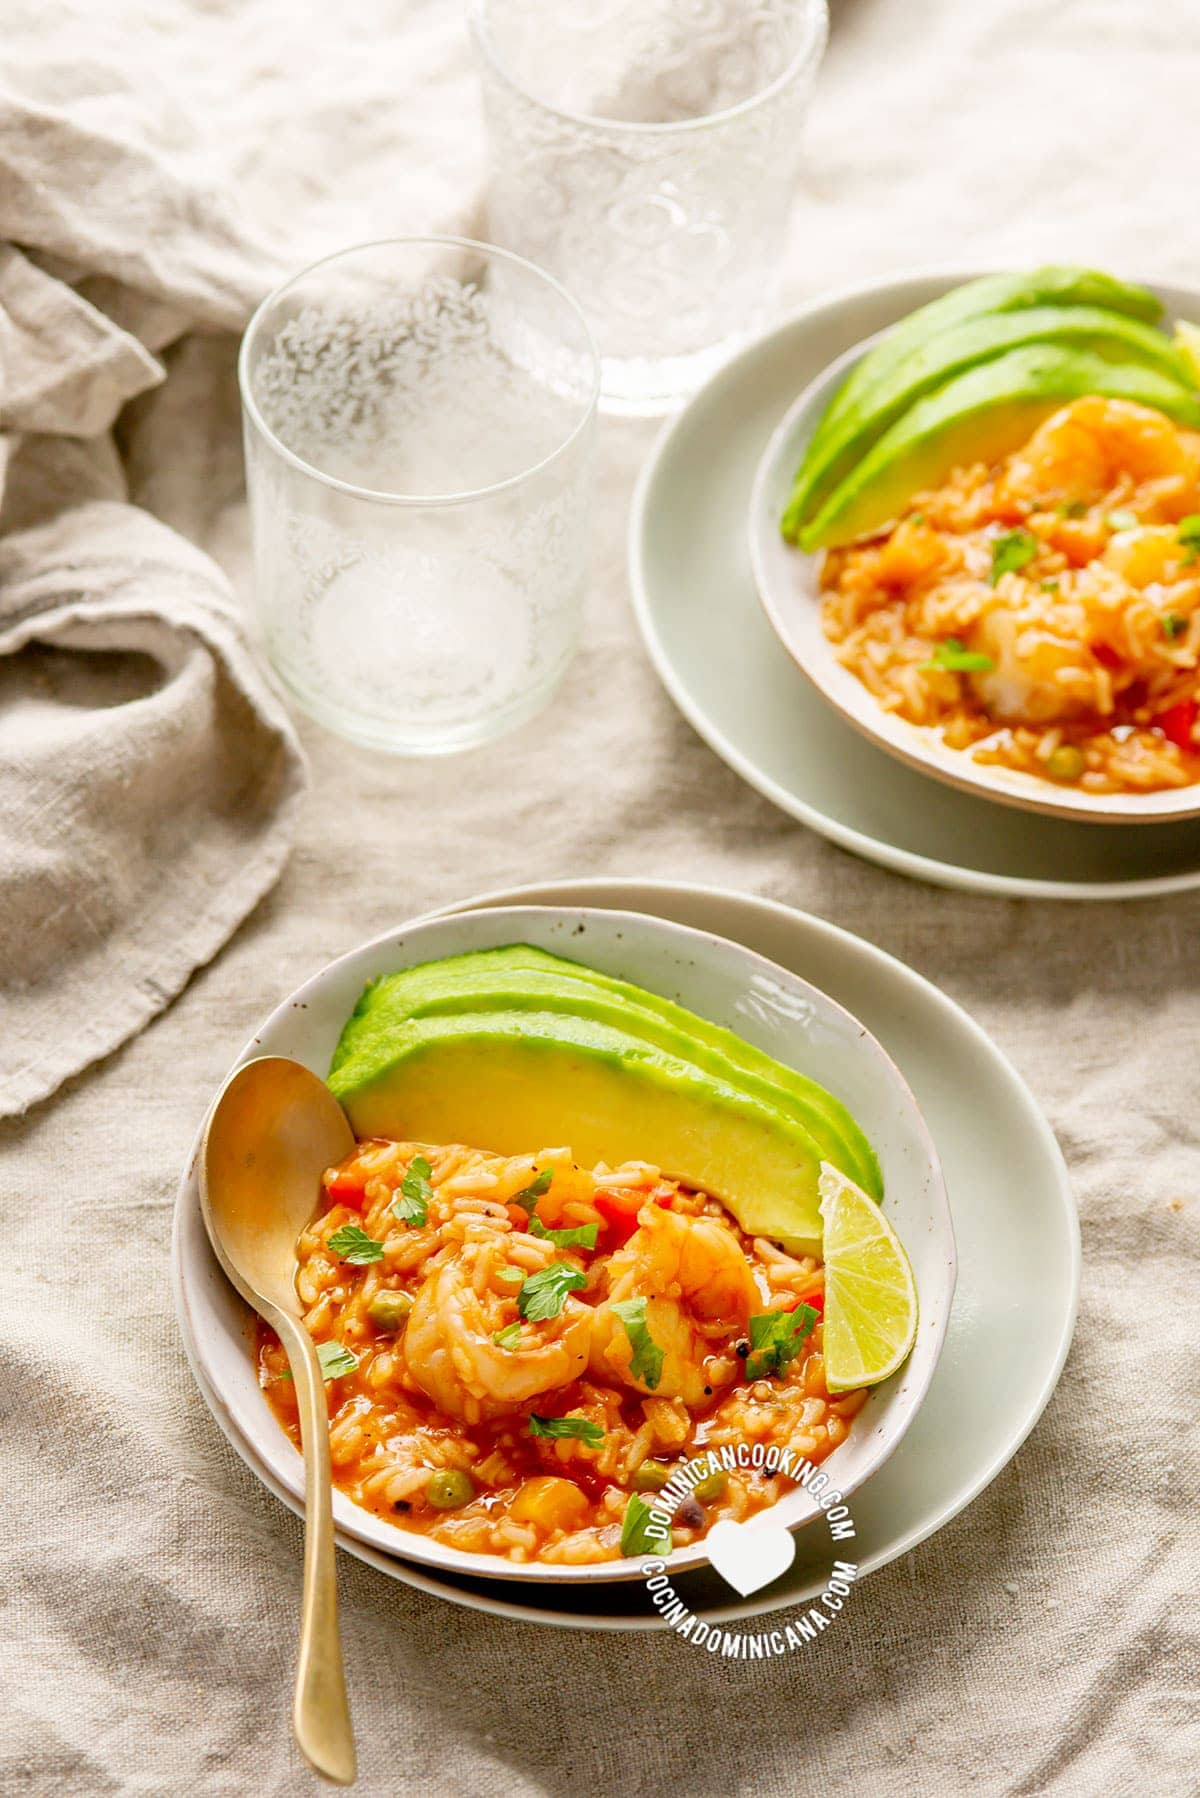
[[1046, 1640]]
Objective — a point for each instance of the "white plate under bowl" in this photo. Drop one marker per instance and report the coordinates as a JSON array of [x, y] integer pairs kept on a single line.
[[1018, 1269], [721, 981], [707, 634], [790, 589]]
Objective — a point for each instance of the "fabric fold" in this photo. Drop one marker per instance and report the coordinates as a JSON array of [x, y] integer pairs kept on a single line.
[[149, 782]]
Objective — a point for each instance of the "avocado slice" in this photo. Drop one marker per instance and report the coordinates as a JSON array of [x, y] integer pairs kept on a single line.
[[981, 415], [1050, 286], [511, 1081], [1106, 334], [520, 977]]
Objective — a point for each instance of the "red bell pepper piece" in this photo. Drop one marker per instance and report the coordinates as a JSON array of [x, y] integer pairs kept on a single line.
[[347, 1186], [815, 1300], [1107, 658], [1178, 723], [619, 1211]]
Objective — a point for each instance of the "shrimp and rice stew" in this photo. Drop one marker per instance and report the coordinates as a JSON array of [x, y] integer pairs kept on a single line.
[[516, 1346], [1043, 614]]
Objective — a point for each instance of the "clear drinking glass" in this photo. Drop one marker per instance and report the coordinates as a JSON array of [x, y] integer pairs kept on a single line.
[[419, 418], [646, 153]]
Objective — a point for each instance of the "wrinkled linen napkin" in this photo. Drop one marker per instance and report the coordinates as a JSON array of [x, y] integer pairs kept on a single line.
[[163, 164], [149, 776]]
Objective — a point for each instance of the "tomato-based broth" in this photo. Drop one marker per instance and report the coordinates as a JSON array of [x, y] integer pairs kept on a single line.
[[1043, 613], [517, 1348]]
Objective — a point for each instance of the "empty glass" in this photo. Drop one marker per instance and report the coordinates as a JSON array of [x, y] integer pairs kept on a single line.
[[646, 153], [418, 419]]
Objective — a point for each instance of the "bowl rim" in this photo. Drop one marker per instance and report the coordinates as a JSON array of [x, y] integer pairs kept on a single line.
[[365, 1526], [912, 744]]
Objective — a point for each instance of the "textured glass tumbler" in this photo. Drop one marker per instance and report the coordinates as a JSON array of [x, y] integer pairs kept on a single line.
[[646, 152], [418, 419]]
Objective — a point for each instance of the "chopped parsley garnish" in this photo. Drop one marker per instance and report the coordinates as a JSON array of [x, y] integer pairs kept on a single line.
[[543, 1294], [411, 1204], [582, 1237], [776, 1338], [511, 1276], [530, 1194], [647, 1362], [353, 1244], [507, 1338], [335, 1360], [638, 1535], [1122, 521], [1188, 529], [560, 1429], [1049, 586], [953, 657], [1071, 508], [1011, 552], [1173, 626]]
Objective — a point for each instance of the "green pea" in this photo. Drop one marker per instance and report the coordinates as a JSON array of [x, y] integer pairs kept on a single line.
[[1066, 763], [389, 1310], [651, 1476], [711, 1486], [449, 1488]]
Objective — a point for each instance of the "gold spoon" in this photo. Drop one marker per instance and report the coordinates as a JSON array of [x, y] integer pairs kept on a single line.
[[272, 1132]]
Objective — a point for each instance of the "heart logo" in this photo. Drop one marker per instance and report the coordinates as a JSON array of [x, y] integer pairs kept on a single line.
[[749, 1558]]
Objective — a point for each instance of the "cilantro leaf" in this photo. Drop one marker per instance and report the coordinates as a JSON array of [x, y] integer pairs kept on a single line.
[[529, 1195], [1188, 529], [336, 1359], [636, 1536], [582, 1237], [1012, 551], [411, 1204], [952, 657], [647, 1360], [560, 1429], [1173, 626], [507, 1338], [511, 1276], [776, 1338], [1071, 508], [353, 1244], [543, 1294]]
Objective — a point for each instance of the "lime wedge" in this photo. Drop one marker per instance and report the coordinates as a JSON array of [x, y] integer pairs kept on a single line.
[[870, 1294], [1187, 342]]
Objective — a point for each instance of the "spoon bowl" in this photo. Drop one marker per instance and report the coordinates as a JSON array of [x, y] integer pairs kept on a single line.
[[273, 1130]]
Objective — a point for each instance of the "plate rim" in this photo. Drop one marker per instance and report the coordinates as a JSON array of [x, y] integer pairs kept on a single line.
[[745, 904], [903, 861]]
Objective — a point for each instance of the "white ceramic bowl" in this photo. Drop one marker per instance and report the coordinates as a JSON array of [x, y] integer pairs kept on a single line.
[[789, 587], [720, 981]]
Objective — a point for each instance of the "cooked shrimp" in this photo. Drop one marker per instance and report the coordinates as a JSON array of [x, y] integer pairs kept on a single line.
[[1042, 669], [1082, 450], [448, 1344], [699, 1294]]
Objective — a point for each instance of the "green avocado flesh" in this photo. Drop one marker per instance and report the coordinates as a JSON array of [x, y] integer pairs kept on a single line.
[[1106, 334], [515, 1049], [992, 293], [981, 415]]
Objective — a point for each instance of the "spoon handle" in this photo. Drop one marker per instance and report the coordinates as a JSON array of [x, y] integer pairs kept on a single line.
[[320, 1712]]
